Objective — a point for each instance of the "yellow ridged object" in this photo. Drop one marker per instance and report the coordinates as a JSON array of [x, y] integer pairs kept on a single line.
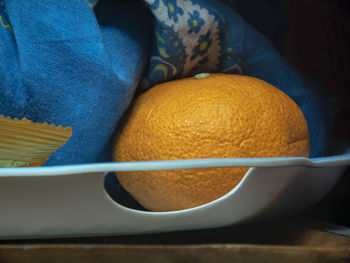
[[27, 143]]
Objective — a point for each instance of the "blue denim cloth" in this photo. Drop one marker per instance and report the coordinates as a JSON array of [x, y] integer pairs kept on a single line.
[[59, 64], [66, 63]]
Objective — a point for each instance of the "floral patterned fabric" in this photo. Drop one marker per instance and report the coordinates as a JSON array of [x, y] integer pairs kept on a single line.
[[190, 37]]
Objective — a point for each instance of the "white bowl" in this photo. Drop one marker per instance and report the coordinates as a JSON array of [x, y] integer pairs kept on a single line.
[[71, 201]]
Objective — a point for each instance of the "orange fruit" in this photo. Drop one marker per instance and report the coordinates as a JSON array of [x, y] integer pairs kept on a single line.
[[206, 116]]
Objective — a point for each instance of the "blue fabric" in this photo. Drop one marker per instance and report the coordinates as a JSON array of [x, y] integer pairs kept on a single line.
[[65, 63], [58, 64]]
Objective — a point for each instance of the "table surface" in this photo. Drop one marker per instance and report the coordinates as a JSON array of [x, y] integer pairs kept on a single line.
[[299, 239]]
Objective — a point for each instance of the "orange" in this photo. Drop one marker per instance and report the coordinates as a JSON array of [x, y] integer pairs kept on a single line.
[[206, 116]]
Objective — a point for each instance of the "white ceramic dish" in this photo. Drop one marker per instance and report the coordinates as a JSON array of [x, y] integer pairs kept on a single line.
[[71, 201]]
